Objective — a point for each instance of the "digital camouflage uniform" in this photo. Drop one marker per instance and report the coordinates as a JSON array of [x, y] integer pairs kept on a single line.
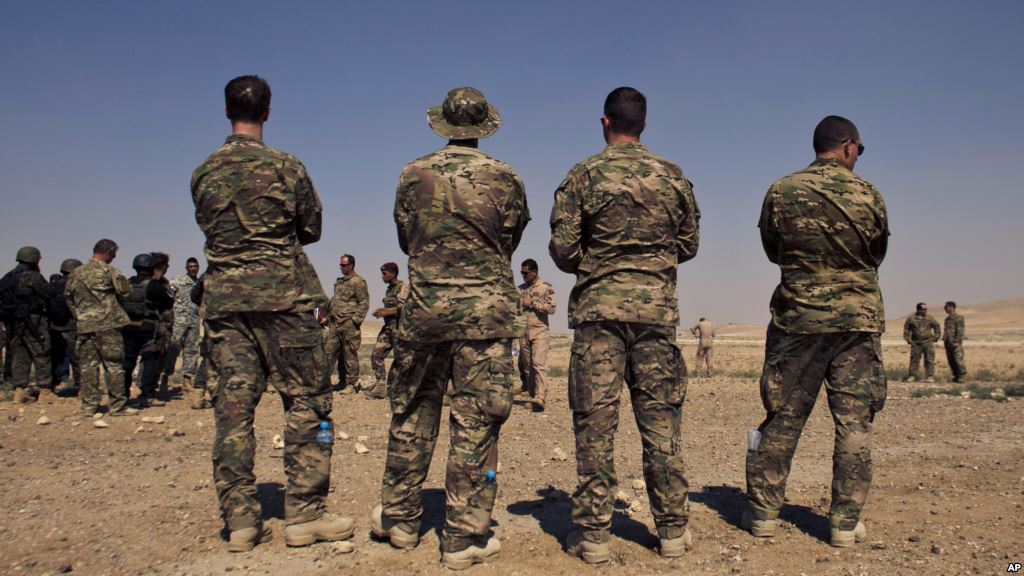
[[921, 332], [185, 338], [28, 334], [534, 345], [622, 222], [257, 207], [460, 215], [827, 229], [93, 291], [348, 309], [705, 333], [386, 336], [953, 342]]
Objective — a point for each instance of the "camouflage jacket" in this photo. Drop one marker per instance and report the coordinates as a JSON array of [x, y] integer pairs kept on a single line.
[[391, 302], [92, 291], [460, 216], [828, 231], [350, 302], [543, 303], [258, 208], [622, 222], [921, 329], [954, 330], [186, 313]]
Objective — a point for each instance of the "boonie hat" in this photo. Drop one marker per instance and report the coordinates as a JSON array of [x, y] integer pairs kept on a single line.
[[465, 114]]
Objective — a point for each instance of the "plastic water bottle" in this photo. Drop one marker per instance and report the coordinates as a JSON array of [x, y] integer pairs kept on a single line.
[[324, 436], [490, 476]]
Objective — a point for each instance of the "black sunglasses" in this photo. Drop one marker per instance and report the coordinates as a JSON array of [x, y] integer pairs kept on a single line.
[[860, 148]]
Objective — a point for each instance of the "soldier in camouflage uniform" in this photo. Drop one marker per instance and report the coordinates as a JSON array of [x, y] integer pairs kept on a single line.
[[386, 337], [28, 329], [93, 292], [828, 231], [185, 338], [62, 327], [460, 214], [538, 299], [953, 342], [622, 222], [347, 310], [258, 208], [921, 331]]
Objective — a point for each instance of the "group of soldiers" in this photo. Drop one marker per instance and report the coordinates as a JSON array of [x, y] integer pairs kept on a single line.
[[921, 331], [623, 221], [61, 336]]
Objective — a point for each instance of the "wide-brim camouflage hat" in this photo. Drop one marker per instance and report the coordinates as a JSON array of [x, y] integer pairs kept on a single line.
[[465, 114]]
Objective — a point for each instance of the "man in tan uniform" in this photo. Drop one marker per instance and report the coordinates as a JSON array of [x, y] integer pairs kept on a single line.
[[538, 299], [348, 309], [704, 330]]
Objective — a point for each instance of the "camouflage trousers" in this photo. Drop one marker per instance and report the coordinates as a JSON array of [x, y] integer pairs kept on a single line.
[[62, 346], [184, 343], [385, 343], [341, 345], [28, 348], [917, 351], [606, 355], [246, 350], [955, 358], [200, 382], [706, 358], [481, 401], [99, 353], [533, 363], [795, 365], [142, 345]]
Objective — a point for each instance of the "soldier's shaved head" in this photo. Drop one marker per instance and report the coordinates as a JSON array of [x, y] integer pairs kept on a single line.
[[105, 246], [831, 132], [247, 99], [626, 110]]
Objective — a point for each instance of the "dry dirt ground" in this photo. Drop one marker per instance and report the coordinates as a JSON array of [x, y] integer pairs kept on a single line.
[[137, 498]]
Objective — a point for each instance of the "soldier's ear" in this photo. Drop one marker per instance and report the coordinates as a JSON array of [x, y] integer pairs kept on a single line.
[[266, 116]]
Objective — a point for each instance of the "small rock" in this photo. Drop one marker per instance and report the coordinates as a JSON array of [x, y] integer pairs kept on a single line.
[[343, 546], [175, 432], [75, 423], [878, 546], [914, 538], [140, 429], [559, 455], [43, 420], [360, 449], [966, 394], [100, 424], [636, 506], [639, 484], [622, 497], [154, 419], [936, 549], [97, 416], [362, 438], [64, 568], [278, 442], [342, 436]]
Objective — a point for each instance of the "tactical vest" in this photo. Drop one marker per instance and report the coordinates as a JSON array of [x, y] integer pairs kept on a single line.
[[391, 301], [136, 304]]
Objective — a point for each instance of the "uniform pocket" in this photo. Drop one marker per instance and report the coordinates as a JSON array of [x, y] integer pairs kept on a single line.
[[496, 400], [675, 393], [771, 385], [580, 395], [879, 386]]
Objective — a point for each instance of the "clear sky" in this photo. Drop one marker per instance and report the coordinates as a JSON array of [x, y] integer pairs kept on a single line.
[[106, 108]]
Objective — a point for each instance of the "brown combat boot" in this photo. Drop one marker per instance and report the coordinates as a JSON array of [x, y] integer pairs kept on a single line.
[[676, 547], [245, 539], [21, 396], [586, 550], [847, 538], [379, 391], [198, 399], [478, 552], [327, 528], [399, 534]]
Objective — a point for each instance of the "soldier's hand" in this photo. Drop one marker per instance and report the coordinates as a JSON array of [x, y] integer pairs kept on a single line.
[[379, 312], [527, 301]]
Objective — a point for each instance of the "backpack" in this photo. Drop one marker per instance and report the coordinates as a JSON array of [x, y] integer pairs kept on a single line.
[[11, 307], [135, 303], [60, 314]]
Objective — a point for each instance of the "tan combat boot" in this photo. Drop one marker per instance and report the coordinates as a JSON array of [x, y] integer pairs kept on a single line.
[[676, 547], [589, 552], [21, 396], [479, 552], [246, 539], [46, 396], [847, 538], [379, 391], [398, 533], [759, 528], [327, 528], [198, 399]]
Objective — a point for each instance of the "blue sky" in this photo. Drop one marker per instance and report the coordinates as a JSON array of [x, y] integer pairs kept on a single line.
[[107, 107]]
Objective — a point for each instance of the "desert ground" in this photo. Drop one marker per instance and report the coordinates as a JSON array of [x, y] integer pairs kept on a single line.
[[948, 493]]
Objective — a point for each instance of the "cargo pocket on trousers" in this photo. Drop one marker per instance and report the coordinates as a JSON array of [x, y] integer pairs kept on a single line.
[[771, 386], [879, 385], [496, 400], [581, 397], [675, 394], [301, 363]]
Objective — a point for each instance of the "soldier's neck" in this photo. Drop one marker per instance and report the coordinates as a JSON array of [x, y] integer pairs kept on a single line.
[[468, 143], [250, 129]]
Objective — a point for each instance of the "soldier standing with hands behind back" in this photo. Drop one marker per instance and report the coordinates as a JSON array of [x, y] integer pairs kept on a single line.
[[347, 310], [921, 331]]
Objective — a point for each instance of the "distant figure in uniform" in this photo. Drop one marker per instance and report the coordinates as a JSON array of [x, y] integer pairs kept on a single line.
[[704, 330], [953, 341], [623, 222], [921, 331], [64, 331], [828, 231], [386, 337], [147, 300], [347, 310], [185, 336], [460, 215], [538, 299], [26, 302], [258, 208]]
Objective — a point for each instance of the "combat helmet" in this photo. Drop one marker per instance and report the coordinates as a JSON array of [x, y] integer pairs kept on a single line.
[[70, 264], [143, 262], [28, 255]]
